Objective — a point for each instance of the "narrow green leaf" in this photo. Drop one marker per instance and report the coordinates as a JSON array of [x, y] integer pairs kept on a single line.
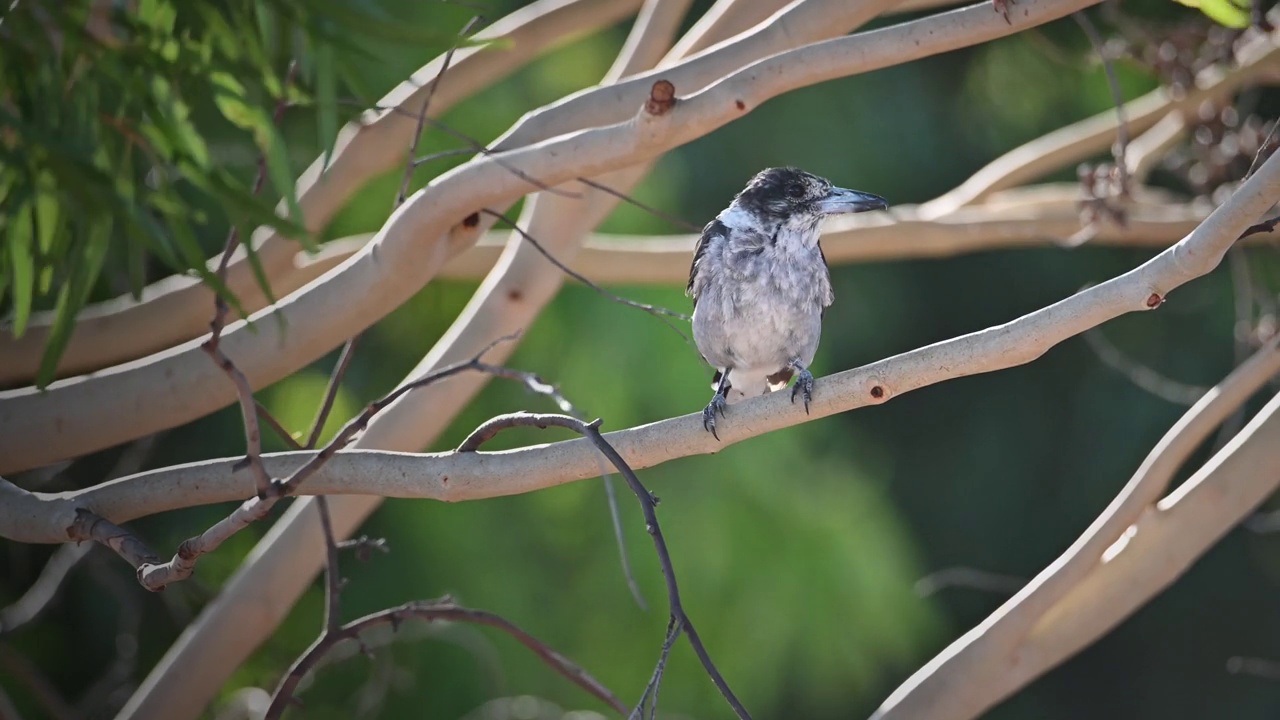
[[255, 264], [282, 178], [75, 292], [46, 215], [22, 269], [326, 99]]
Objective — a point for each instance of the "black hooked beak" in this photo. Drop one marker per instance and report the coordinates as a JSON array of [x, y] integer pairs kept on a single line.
[[840, 201]]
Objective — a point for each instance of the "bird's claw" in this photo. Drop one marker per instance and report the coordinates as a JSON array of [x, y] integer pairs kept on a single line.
[[709, 414], [804, 385]]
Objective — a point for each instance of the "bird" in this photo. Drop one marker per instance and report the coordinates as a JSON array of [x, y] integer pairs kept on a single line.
[[760, 285]]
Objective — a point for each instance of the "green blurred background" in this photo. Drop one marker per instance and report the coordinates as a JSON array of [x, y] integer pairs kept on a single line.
[[798, 552]]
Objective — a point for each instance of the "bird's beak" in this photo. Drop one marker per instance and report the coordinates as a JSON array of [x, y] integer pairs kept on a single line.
[[840, 201]]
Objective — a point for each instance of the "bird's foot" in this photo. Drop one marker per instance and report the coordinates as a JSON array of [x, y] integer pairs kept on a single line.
[[804, 386], [1002, 7], [709, 414]]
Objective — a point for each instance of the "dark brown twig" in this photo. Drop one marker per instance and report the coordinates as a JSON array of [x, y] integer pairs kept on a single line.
[[156, 576], [678, 222], [249, 408], [680, 622], [476, 146], [651, 309], [433, 611], [410, 165]]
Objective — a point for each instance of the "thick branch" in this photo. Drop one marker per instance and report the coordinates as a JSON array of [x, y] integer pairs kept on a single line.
[[174, 310], [452, 477], [1088, 137], [84, 414], [508, 300], [971, 673], [1022, 218], [1156, 551]]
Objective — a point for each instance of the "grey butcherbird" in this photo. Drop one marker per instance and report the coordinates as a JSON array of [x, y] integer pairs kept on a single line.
[[760, 284]]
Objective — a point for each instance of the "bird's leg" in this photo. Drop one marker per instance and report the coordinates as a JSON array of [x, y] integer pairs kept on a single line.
[[804, 383], [717, 404]]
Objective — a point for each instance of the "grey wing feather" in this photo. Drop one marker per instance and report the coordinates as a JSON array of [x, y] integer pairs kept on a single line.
[[715, 228]]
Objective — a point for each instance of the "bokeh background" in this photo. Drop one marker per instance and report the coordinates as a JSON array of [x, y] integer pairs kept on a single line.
[[800, 553]]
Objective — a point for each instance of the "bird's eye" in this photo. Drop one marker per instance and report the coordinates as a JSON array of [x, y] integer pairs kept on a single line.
[[795, 190]]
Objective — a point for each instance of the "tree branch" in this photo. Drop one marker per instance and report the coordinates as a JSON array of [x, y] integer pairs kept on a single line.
[[1025, 217], [434, 611], [451, 477], [1088, 137], [680, 621], [507, 301], [407, 254], [1029, 634], [173, 310]]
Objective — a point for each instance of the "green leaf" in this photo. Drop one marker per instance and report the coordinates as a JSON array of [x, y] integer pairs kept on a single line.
[[72, 296], [1224, 12], [282, 178], [46, 216], [368, 19], [22, 269], [326, 99], [244, 206], [255, 264]]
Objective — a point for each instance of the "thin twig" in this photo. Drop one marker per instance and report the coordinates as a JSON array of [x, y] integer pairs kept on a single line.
[[441, 154], [332, 576], [249, 408], [331, 391], [967, 577], [432, 611], [677, 221], [680, 621], [45, 589], [422, 113], [155, 576], [1117, 97], [1146, 378], [651, 309], [281, 431], [476, 146]]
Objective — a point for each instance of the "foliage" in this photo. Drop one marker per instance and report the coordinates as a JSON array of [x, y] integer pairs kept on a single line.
[[108, 159]]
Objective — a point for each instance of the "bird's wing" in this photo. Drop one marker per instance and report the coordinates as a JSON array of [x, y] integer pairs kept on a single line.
[[714, 229], [831, 295]]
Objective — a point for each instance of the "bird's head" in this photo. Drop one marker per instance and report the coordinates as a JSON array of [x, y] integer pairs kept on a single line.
[[790, 196]]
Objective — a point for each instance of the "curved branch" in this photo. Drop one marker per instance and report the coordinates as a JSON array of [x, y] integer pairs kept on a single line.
[[176, 308], [84, 414], [1031, 218], [725, 19], [973, 673], [509, 299], [803, 21], [453, 477], [1094, 135]]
